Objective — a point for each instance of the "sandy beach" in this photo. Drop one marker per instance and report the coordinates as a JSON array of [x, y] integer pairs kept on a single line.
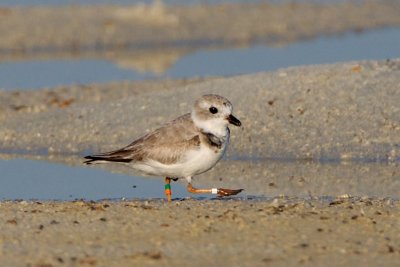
[[278, 232], [317, 111], [318, 153]]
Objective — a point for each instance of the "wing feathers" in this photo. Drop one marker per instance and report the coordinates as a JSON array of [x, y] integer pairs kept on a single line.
[[165, 145]]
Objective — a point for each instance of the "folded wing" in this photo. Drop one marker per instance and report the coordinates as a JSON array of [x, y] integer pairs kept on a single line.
[[165, 145]]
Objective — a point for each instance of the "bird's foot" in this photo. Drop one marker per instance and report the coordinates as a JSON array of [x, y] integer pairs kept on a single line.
[[223, 192], [219, 191]]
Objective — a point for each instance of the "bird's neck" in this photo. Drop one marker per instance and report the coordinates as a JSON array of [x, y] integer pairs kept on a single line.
[[213, 126]]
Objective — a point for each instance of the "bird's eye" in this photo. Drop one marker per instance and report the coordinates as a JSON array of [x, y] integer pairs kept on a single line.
[[213, 110]]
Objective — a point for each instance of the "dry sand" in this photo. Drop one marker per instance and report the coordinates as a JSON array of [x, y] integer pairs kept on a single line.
[[340, 111]]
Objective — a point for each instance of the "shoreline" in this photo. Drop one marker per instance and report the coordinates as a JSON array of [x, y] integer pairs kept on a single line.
[[307, 113]]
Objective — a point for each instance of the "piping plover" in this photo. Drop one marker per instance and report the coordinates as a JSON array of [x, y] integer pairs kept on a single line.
[[187, 146]]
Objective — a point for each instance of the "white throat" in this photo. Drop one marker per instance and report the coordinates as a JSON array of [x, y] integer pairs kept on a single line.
[[216, 127]]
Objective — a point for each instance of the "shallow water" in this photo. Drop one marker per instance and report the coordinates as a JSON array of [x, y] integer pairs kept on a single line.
[[263, 179], [41, 180], [32, 74], [49, 73]]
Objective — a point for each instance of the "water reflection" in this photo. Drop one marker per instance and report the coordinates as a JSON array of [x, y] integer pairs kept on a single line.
[[51, 73], [30, 179], [32, 71]]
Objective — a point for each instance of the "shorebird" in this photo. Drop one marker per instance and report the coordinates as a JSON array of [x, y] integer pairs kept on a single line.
[[189, 145]]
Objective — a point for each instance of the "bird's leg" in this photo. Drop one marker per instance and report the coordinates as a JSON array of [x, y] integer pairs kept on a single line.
[[168, 191], [219, 191]]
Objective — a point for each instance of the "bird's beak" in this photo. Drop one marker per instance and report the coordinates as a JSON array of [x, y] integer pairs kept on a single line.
[[234, 121]]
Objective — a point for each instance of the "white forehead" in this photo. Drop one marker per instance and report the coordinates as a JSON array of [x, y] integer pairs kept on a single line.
[[223, 105]]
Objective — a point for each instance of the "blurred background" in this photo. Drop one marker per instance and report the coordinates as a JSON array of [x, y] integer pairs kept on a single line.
[[49, 43]]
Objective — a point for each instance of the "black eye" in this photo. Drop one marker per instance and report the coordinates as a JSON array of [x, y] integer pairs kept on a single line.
[[213, 110]]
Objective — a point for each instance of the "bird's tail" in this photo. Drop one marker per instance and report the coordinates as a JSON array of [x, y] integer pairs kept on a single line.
[[93, 159]]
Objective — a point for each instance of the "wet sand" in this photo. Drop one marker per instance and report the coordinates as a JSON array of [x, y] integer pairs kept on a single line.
[[278, 232]]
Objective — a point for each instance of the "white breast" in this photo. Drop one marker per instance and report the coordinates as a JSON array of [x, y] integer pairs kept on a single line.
[[194, 162], [199, 161]]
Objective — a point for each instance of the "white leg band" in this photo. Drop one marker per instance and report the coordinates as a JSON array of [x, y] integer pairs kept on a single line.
[[214, 191]]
